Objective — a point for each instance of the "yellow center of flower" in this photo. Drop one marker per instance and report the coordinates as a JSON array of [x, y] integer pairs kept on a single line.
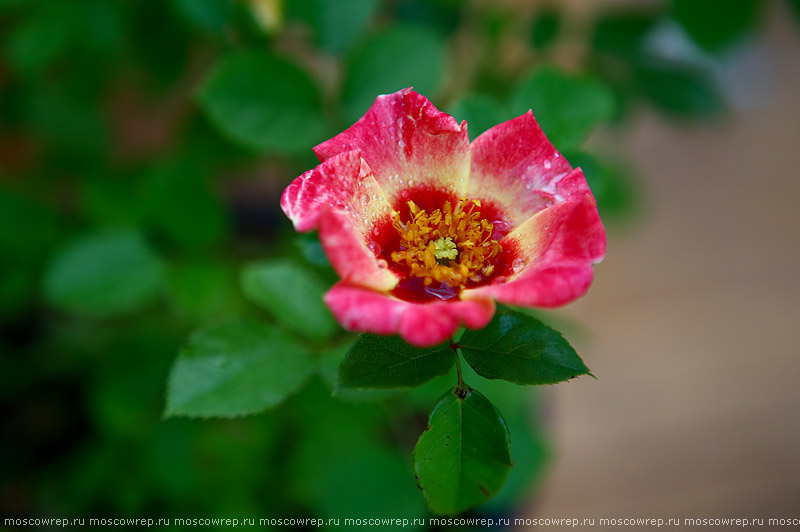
[[451, 245]]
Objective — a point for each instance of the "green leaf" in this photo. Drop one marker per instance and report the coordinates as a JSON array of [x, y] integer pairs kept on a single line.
[[263, 102], [611, 182], [104, 274], [385, 62], [462, 459], [180, 203], [568, 107], [519, 348], [336, 24], [234, 369], [715, 24], [480, 111], [209, 16], [202, 289], [622, 33], [292, 294], [378, 362], [678, 89], [545, 29]]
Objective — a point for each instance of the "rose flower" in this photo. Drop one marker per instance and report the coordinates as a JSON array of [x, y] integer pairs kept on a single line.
[[427, 231]]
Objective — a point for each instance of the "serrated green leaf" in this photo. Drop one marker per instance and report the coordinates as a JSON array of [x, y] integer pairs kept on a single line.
[[396, 58], [263, 102], [292, 294], [234, 369], [568, 107], [104, 274], [521, 349], [462, 459], [380, 362]]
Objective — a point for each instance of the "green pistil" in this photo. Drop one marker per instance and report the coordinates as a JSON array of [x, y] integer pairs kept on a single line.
[[445, 249]]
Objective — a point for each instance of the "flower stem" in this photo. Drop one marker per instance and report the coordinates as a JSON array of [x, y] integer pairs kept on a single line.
[[460, 387]]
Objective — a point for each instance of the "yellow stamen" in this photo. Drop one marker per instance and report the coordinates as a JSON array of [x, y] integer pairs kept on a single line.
[[451, 245]]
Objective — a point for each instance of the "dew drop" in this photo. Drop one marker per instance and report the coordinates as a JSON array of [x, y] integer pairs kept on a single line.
[[382, 264], [375, 248], [401, 143], [500, 228], [410, 182], [499, 280], [404, 194], [518, 265], [529, 185], [547, 164], [364, 199], [399, 122], [375, 197]]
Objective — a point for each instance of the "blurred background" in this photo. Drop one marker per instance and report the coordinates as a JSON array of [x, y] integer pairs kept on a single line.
[[143, 149]]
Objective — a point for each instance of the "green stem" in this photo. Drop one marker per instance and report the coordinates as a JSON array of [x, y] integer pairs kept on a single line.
[[454, 347]]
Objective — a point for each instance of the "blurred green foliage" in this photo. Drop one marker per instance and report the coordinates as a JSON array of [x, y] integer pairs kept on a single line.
[[143, 148]]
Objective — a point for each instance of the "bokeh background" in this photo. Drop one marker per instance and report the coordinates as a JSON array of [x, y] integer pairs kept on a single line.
[[144, 146]]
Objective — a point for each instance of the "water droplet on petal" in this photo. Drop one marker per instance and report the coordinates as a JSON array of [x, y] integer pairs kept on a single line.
[[404, 194], [364, 199], [500, 228], [410, 182], [399, 122], [518, 264], [499, 280], [382, 264], [401, 143], [529, 185], [375, 248], [547, 164]]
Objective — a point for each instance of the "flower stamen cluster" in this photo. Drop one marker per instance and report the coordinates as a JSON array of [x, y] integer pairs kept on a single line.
[[451, 245]]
